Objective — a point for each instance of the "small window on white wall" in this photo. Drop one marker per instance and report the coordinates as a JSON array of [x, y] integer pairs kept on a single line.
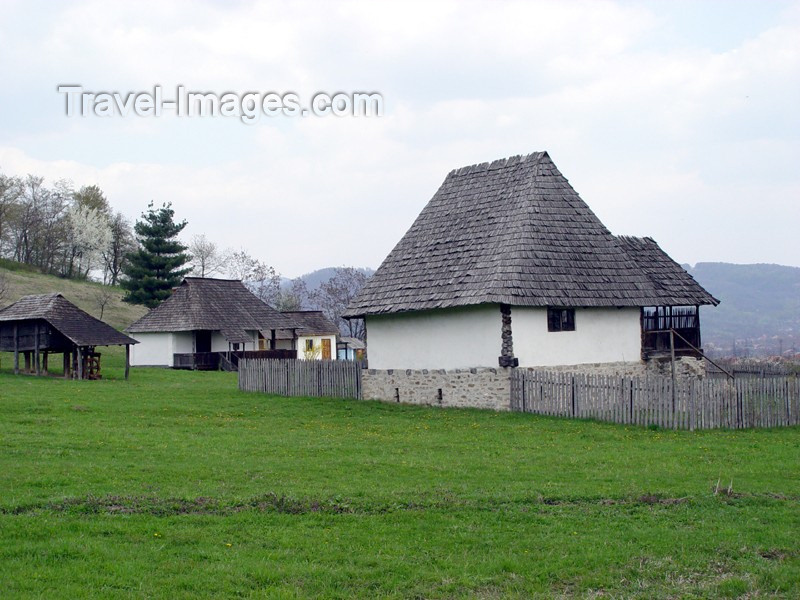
[[560, 319], [309, 344]]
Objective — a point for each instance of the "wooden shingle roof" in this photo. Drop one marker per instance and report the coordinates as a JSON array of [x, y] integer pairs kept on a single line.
[[674, 284], [309, 322], [212, 304], [513, 231], [81, 328]]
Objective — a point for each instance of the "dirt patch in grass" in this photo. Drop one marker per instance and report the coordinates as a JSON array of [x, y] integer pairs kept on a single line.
[[283, 504]]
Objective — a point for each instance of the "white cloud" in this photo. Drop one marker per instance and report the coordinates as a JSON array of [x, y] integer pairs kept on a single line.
[[685, 131]]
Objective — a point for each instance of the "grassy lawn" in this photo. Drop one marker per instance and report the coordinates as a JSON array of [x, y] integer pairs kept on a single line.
[[175, 484]]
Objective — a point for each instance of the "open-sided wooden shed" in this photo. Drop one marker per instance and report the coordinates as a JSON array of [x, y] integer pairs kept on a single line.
[[40, 325]]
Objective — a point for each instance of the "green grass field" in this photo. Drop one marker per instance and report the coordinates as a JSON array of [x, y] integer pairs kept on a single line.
[[176, 485]]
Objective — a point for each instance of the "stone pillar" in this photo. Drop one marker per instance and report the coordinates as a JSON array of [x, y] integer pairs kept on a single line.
[[507, 348]]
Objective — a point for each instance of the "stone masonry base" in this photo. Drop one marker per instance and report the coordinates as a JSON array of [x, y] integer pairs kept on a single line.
[[491, 388], [474, 388]]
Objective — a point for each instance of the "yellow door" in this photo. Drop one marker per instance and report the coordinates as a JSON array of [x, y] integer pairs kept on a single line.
[[326, 349]]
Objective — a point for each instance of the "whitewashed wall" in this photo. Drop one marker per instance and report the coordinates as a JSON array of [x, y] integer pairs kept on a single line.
[[442, 339], [156, 349], [153, 349], [470, 337], [602, 335], [182, 343], [317, 339]]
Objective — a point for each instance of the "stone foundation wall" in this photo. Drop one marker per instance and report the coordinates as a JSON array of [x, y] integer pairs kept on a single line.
[[623, 369], [491, 388], [473, 388], [684, 367]]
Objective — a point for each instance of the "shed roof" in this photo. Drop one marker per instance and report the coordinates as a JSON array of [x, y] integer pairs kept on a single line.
[[81, 328], [674, 284], [513, 231], [211, 304], [351, 342]]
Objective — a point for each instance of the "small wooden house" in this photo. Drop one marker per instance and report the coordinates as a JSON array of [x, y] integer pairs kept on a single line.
[[205, 321], [506, 266], [316, 335], [38, 326]]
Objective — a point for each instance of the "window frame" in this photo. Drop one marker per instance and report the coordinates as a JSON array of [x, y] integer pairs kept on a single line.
[[560, 318]]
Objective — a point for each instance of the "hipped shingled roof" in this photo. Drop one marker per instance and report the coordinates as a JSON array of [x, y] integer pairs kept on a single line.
[[515, 232], [81, 328], [212, 304]]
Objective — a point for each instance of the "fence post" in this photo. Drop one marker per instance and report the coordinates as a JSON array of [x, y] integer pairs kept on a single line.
[[573, 395]]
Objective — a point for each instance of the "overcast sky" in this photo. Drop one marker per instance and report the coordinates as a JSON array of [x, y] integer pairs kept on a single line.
[[677, 120]]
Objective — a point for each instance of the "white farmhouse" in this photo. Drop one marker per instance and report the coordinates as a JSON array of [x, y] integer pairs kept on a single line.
[[507, 266], [202, 319], [315, 336]]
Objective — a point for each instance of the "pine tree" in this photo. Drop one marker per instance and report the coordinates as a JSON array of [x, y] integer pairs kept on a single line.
[[155, 268]]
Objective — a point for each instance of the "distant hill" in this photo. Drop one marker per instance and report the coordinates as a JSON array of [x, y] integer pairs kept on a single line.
[[760, 308], [22, 281]]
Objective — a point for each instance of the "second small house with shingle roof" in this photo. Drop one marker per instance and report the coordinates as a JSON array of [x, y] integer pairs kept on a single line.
[[206, 319], [507, 266], [315, 338]]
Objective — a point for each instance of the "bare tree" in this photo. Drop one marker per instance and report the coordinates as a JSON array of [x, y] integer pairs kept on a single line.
[[207, 260], [293, 298], [122, 243], [4, 287], [10, 190], [40, 227], [262, 279], [335, 295], [102, 297]]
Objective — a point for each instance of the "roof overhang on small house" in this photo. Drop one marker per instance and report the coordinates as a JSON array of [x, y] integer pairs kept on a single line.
[[237, 336]]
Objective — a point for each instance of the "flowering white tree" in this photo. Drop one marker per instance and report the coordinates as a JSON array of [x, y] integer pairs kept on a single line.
[[89, 237]]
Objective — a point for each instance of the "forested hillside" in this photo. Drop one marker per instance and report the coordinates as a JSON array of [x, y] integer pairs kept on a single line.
[[759, 309]]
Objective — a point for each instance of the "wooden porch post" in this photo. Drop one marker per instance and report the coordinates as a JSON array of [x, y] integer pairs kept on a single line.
[[80, 361], [67, 355], [272, 339], [36, 359], [697, 324], [44, 362], [16, 350], [672, 355], [127, 360]]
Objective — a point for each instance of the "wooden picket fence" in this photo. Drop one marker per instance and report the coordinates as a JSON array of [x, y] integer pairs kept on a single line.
[[292, 377], [709, 403]]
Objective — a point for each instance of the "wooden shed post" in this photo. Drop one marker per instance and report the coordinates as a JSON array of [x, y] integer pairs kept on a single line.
[[272, 339], [67, 355], [127, 360], [80, 361], [36, 358], [16, 350]]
